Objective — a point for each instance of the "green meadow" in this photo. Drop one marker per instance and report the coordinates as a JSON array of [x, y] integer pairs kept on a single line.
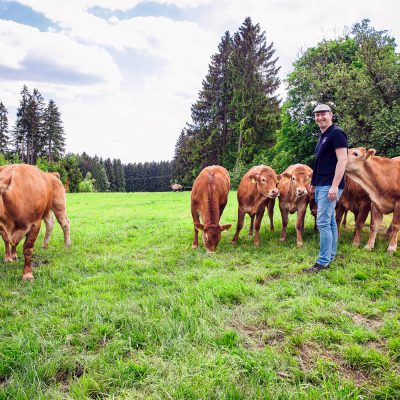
[[130, 311]]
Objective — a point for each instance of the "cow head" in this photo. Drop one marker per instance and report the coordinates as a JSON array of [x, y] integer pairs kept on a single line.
[[300, 180], [211, 234], [266, 182], [357, 156]]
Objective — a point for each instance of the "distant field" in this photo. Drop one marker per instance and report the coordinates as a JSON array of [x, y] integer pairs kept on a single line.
[[130, 311]]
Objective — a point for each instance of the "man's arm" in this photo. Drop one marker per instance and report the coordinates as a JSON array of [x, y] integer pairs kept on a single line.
[[341, 155]]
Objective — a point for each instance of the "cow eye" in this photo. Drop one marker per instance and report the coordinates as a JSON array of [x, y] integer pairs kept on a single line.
[[206, 238], [263, 180], [355, 153]]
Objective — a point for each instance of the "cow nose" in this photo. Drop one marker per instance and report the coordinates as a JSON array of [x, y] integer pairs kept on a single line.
[[275, 192], [301, 191]]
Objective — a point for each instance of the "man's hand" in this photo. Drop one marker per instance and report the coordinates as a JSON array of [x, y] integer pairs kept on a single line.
[[333, 192]]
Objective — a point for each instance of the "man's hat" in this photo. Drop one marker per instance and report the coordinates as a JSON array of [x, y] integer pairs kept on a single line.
[[322, 108]]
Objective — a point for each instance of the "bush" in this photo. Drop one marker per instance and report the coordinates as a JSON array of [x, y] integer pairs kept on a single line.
[[87, 185]]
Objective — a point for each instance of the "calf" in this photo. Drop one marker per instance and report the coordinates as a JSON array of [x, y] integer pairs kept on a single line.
[[380, 178], [208, 199], [256, 189], [294, 196], [355, 199], [26, 197]]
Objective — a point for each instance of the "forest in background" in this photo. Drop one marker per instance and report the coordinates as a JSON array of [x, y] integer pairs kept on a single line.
[[238, 120]]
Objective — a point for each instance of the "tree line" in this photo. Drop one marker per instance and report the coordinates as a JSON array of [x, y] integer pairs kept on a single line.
[[237, 120], [38, 138]]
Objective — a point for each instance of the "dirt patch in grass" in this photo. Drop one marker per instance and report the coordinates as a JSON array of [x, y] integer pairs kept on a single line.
[[256, 337], [64, 374], [3, 380], [252, 334], [358, 319], [310, 353]]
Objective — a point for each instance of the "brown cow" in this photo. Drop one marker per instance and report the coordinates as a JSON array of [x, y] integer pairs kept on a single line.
[[208, 199], [294, 196], [355, 199], [256, 189], [380, 178], [26, 197]]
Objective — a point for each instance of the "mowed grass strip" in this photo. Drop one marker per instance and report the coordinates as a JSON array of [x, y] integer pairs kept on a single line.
[[130, 311]]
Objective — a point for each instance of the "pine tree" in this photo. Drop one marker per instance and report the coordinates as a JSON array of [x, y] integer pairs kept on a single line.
[[99, 173], [54, 138], [112, 178], [3, 129], [29, 126], [255, 79]]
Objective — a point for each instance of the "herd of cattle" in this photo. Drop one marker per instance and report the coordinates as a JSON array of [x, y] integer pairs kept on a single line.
[[372, 185], [28, 196]]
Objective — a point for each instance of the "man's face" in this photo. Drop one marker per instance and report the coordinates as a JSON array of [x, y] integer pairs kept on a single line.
[[323, 119]]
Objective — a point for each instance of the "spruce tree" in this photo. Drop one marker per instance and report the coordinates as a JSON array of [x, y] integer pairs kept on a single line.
[[3, 129], [54, 139], [29, 126]]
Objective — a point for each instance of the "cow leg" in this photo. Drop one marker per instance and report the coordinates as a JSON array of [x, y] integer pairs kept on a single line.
[[301, 213], [196, 218], [49, 223], [285, 219], [239, 226], [376, 220], [271, 206], [7, 252], [252, 216], [28, 250], [344, 218], [14, 255], [58, 208], [360, 221], [395, 225], [257, 224], [340, 210]]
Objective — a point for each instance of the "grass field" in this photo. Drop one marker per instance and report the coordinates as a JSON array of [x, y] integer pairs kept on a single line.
[[130, 311]]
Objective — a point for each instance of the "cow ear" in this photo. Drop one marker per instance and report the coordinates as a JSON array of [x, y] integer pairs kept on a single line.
[[369, 154], [225, 227], [198, 226], [279, 177], [253, 178], [286, 175]]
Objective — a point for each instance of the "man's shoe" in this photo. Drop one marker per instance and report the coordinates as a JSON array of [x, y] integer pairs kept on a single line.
[[315, 268]]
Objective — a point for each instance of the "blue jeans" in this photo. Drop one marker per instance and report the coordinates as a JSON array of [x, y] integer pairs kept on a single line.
[[326, 223]]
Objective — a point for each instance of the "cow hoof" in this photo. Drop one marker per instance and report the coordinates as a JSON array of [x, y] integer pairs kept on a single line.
[[233, 243], [391, 250], [282, 239], [256, 244], [194, 246], [368, 248], [44, 245], [300, 244], [28, 277], [272, 229]]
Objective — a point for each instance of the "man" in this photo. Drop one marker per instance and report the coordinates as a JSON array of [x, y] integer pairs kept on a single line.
[[328, 183]]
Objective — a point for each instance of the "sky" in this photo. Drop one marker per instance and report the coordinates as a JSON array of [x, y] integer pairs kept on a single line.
[[124, 73]]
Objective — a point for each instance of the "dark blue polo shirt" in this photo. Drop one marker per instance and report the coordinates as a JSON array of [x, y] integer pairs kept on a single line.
[[325, 162]]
